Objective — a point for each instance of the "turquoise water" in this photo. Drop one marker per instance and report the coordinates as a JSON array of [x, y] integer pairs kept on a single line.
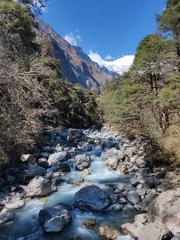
[[26, 219]]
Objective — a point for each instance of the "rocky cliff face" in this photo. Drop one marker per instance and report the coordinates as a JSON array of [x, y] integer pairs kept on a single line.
[[76, 66]]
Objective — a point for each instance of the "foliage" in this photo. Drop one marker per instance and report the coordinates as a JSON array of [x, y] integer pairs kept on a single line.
[[169, 21], [15, 22], [35, 6], [147, 97], [150, 61], [33, 97]]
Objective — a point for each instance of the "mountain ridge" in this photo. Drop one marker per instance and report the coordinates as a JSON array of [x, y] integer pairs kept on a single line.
[[76, 66]]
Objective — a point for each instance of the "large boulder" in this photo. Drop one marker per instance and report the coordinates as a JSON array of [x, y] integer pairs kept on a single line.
[[54, 219], [15, 204], [155, 231], [91, 198], [34, 170], [163, 218], [40, 187], [82, 162], [6, 216], [57, 157], [113, 152], [165, 209]]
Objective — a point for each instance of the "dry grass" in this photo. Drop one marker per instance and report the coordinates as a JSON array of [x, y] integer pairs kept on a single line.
[[171, 142]]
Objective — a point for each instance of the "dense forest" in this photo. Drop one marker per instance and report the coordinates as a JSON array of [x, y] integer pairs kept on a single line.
[[33, 95], [146, 99]]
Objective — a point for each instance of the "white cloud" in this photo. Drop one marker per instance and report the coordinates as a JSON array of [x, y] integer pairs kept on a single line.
[[119, 65], [72, 38]]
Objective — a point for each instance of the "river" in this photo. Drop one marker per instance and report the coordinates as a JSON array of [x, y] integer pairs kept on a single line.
[[25, 224]]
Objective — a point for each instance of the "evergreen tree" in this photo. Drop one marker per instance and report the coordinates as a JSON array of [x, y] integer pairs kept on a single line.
[[169, 21], [149, 60]]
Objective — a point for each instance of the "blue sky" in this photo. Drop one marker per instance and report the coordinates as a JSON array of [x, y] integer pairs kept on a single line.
[[111, 28]]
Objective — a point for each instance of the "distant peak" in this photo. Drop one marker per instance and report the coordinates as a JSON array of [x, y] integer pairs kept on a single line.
[[119, 65]]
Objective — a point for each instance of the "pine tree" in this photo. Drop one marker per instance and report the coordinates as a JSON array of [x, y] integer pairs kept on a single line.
[[169, 22]]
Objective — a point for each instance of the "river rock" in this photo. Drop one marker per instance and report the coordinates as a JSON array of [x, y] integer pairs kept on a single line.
[[113, 152], [122, 200], [142, 192], [109, 143], [45, 154], [57, 157], [90, 223], [154, 231], [113, 162], [169, 175], [54, 219], [42, 162], [148, 199], [82, 162], [118, 207], [26, 157], [134, 229], [140, 162], [85, 172], [6, 216], [133, 197], [114, 198], [120, 188], [91, 198], [15, 204], [64, 168], [74, 136], [107, 232], [123, 167], [34, 170], [130, 151], [142, 218], [40, 187], [165, 208]]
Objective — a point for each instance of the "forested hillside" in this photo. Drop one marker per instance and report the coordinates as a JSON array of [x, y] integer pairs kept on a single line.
[[147, 98], [33, 96]]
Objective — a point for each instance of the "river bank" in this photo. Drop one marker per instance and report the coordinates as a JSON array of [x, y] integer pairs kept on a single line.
[[100, 179]]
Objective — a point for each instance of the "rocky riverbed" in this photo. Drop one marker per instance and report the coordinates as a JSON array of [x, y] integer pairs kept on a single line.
[[89, 184]]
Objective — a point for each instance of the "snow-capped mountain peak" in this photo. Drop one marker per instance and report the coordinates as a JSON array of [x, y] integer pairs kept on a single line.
[[119, 65]]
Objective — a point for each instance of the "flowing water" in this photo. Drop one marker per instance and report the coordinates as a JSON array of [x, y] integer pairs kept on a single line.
[[25, 223]]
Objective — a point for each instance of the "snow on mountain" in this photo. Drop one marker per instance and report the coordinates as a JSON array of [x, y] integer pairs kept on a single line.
[[119, 65]]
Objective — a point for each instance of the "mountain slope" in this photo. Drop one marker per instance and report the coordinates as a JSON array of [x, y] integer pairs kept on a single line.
[[76, 66]]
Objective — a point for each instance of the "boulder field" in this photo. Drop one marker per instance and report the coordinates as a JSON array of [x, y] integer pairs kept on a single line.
[[94, 181]]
